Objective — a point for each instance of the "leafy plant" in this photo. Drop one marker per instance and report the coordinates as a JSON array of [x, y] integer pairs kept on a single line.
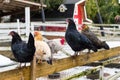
[[108, 10]]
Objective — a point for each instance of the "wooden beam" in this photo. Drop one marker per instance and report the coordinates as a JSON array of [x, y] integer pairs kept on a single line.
[[16, 74], [33, 69], [5, 44], [8, 54], [21, 4], [17, 6], [111, 63], [83, 73], [31, 3], [1, 1], [59, 65], [114, 77], [105, 25], [18, 11], [93, 70]]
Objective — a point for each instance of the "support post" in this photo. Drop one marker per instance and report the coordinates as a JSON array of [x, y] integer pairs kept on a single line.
[[27, 20], [101, 75], [32, 28], [43, 15], [33, 69], [18, 26], [100, 19]]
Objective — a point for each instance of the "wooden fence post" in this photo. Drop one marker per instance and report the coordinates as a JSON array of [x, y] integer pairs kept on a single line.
[[18, 26], [101, 75], [33, 69]]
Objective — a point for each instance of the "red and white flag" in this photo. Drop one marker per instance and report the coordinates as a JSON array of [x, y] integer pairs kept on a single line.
[[78, 16]]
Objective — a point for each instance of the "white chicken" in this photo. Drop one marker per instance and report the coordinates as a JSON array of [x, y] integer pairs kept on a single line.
[[57, 45], [43, 51]]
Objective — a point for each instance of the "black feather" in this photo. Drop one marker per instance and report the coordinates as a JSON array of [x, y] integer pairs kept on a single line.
[[76, 40], [23, 52]]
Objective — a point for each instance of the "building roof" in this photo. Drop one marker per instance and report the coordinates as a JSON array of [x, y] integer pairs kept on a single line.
[[70, 1], [8, 7]]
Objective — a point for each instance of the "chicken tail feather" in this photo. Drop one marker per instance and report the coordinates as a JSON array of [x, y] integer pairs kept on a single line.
[[30, 40]]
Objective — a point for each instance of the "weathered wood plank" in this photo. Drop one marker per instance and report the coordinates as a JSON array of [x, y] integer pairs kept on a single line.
[[91, 71], [111, 63], [84, 73], [7, 53], [33, 69], [3, 44], [16, 74], [59, 65], [114, 77]]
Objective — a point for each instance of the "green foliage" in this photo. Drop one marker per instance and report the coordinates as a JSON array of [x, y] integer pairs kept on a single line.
[[91, 9], [51, 4], [108, 10]]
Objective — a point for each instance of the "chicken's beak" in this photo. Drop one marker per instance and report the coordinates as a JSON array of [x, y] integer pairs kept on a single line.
[[49, 61], [67, 20], [36, 33], [10, 33]]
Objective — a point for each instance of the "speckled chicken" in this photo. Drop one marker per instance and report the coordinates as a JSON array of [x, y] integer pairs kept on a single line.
[[93, 38], [57, 45]]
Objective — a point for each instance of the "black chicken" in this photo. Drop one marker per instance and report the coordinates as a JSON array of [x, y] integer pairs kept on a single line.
[[23, 52], [91, 36], [76, 40]]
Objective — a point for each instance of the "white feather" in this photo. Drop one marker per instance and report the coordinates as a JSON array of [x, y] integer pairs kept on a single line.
[[41, 48]]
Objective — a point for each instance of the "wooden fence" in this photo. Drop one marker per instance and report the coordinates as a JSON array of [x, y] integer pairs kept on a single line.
[[5, 28], [58, 65], [108, 29]]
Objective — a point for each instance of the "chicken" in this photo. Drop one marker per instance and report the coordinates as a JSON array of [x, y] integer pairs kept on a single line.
[[23, 52], [57, 45], [43, 52], [38, 35], [76, 40], [93, 38]]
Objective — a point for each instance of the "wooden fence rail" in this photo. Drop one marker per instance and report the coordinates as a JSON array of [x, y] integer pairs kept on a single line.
[[95, 69], [114, 77], [58, 65], [5, 28], [84, 73]]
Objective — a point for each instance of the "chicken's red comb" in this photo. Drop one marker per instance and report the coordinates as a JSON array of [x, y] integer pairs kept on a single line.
[[62, 41]]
